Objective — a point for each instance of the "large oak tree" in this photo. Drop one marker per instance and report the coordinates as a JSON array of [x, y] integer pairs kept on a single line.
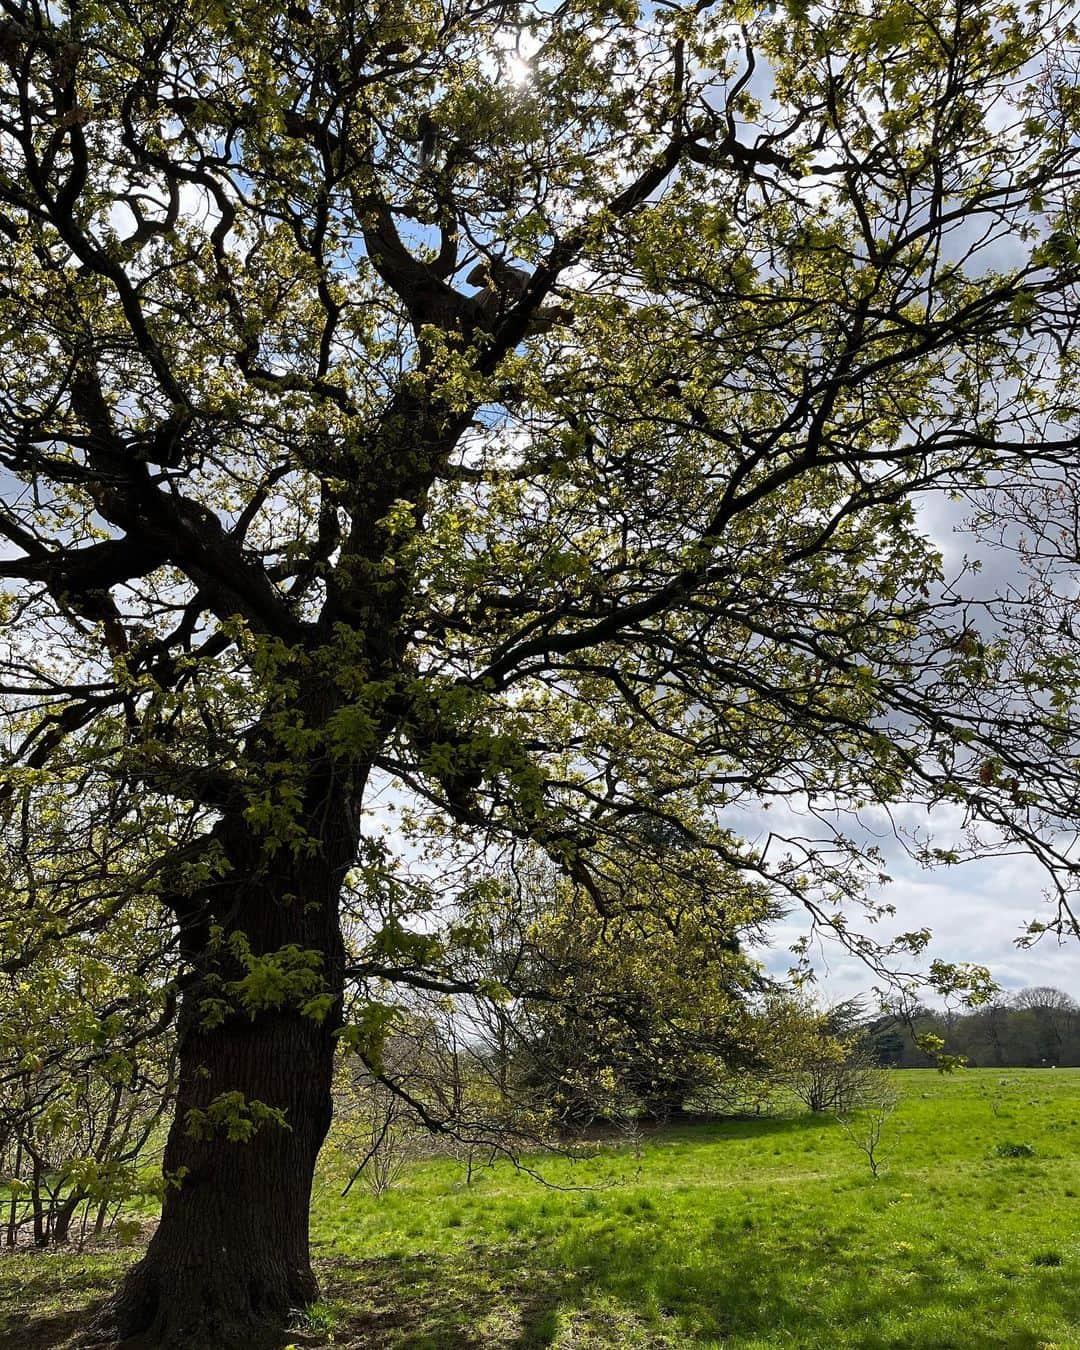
[[531, 407]]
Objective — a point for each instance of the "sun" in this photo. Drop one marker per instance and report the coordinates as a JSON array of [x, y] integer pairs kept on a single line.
[[518, 70]]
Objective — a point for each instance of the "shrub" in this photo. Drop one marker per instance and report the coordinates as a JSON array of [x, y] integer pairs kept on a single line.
[[1015, 1151]]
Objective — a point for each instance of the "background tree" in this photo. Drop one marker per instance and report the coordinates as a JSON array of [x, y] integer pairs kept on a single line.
[[649, 1000], [1057, 1017], [1033, 1028], [87, 1056], [293, 510], [822, 1054], [374, 1132], [73, 1150]]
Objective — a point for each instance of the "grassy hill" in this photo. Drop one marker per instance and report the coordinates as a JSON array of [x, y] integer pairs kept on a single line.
[[757, 1233]]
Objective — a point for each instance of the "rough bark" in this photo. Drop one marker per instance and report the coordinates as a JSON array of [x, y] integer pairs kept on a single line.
[[230, 1257]]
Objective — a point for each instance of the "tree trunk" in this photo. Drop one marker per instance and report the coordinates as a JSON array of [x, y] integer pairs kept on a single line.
[[60, 1228], [13, 1209], [41, 1236], [230, 1256]]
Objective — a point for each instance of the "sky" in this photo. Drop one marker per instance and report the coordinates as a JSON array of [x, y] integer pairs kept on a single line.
[[976, 910]]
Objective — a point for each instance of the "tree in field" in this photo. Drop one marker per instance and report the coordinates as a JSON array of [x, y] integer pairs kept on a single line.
[[646, 1000], [73, 1150], [528, 408], [822, 1055]]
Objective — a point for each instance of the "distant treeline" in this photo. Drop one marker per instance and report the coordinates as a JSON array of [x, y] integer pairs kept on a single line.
[[1035, 1028]]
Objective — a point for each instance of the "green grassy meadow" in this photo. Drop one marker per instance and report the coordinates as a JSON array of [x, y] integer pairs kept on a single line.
[[744, 1233]]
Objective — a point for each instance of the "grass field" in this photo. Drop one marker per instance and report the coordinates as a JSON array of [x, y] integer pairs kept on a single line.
[[767, 1232]]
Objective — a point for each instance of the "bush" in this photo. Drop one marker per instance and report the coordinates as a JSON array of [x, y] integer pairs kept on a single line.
[[822, 1055], [1015, 1151], [373, 1124], [73, 1143]]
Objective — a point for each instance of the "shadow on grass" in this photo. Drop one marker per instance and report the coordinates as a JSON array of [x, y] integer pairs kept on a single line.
[[619, 1268], [46, 1333], [697, 1129], [478, 1297], [616, 1287], [617, 1283]]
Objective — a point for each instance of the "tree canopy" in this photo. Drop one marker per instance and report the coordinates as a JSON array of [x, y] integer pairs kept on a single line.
[[518, 415]]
